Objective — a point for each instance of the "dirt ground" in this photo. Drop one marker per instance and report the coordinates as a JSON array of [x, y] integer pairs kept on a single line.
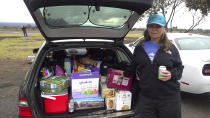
[[12, 73]]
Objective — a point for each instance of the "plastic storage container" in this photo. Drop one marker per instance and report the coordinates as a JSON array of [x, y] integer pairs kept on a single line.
[[56, 103]]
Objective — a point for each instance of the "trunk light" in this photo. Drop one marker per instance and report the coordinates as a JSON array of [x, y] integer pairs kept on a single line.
[[24, 109]]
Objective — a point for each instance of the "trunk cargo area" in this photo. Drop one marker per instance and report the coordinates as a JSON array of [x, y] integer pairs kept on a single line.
[[84, 82]]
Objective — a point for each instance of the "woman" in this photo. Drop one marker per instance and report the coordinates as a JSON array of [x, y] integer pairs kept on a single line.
[[159, 98]]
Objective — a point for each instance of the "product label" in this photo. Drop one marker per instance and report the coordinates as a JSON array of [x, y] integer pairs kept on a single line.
[[119, 82], [160, 76], [43, 83], [125, 81], [115, 79], [53, 86]]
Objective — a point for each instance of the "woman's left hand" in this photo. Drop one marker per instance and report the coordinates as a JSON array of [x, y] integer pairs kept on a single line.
[[166, 75]]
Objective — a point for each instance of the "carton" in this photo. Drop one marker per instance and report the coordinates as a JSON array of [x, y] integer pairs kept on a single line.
[[88, 103], [123, 100], [106, 92], [85, 84], [114, 81], [110, 103]]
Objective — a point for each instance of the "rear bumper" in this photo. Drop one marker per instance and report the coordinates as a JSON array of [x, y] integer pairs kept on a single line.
[[24, 117], [204, 96]]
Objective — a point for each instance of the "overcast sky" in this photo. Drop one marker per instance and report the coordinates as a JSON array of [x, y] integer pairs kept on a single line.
[[16, 11]]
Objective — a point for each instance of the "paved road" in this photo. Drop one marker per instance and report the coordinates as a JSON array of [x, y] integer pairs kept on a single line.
[[195, 107]]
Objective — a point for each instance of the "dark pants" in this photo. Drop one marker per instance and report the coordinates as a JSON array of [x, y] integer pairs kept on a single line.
[[156, 108], [25, 34]]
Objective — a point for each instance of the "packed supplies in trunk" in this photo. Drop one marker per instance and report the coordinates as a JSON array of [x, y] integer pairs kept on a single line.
[[91, 82]]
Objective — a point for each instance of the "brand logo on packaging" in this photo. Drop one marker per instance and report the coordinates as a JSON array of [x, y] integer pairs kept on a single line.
[[88, 74], [85, 82]]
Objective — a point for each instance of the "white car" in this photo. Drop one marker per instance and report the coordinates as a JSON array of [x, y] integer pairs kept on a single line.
[[194, 50]]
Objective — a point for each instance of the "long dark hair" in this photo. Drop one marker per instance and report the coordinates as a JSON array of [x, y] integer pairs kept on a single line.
[[164, 43]]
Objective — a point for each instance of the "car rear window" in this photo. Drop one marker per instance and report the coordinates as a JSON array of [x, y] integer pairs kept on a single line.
[[193, 43], [69, 16]]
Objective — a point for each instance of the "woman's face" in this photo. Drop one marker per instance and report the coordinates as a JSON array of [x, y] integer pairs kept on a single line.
[[155, 31]]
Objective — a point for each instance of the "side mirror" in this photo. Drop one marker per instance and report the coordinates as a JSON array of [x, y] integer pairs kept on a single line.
[[35, 50]]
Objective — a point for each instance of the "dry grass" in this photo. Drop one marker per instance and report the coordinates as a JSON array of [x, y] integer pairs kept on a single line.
[[16, 46]]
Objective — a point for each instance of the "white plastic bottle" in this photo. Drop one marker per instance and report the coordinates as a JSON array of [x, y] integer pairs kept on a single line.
[[71, 105]]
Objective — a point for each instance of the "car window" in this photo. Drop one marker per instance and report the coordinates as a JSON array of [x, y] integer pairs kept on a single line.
[[109, 17], [61, 16], [87, 16], [193, 43]]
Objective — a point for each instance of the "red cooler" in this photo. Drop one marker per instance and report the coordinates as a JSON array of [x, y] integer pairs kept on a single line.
[[56, 103]]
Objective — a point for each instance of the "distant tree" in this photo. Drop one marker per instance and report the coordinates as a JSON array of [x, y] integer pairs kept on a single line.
[[195, 6], [202, 5], [196, 20], [170, 7], [165, 7]]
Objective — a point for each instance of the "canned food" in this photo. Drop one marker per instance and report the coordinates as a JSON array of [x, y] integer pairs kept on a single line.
[[161, 69]]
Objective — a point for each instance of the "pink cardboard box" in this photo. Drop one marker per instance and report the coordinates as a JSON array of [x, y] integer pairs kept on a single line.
[[114, 81]]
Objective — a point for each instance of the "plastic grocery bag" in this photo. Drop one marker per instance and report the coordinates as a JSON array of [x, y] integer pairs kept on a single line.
[[58, 71]]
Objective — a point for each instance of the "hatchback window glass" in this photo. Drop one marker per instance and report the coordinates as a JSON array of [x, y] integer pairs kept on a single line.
[[86, 16], [109, 17], [193, 43], [64, 16]]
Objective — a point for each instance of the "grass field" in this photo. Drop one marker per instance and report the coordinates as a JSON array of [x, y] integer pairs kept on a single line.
[[16, 46]]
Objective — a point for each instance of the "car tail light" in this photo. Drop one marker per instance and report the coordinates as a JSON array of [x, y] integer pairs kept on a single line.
[[206, 70], [24, 109]]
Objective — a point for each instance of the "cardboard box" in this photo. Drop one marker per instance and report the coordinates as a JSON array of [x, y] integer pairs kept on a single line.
[[88, 103], [123, 100], [110, 103], [106, 92], [114, 81], [85, 84]]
